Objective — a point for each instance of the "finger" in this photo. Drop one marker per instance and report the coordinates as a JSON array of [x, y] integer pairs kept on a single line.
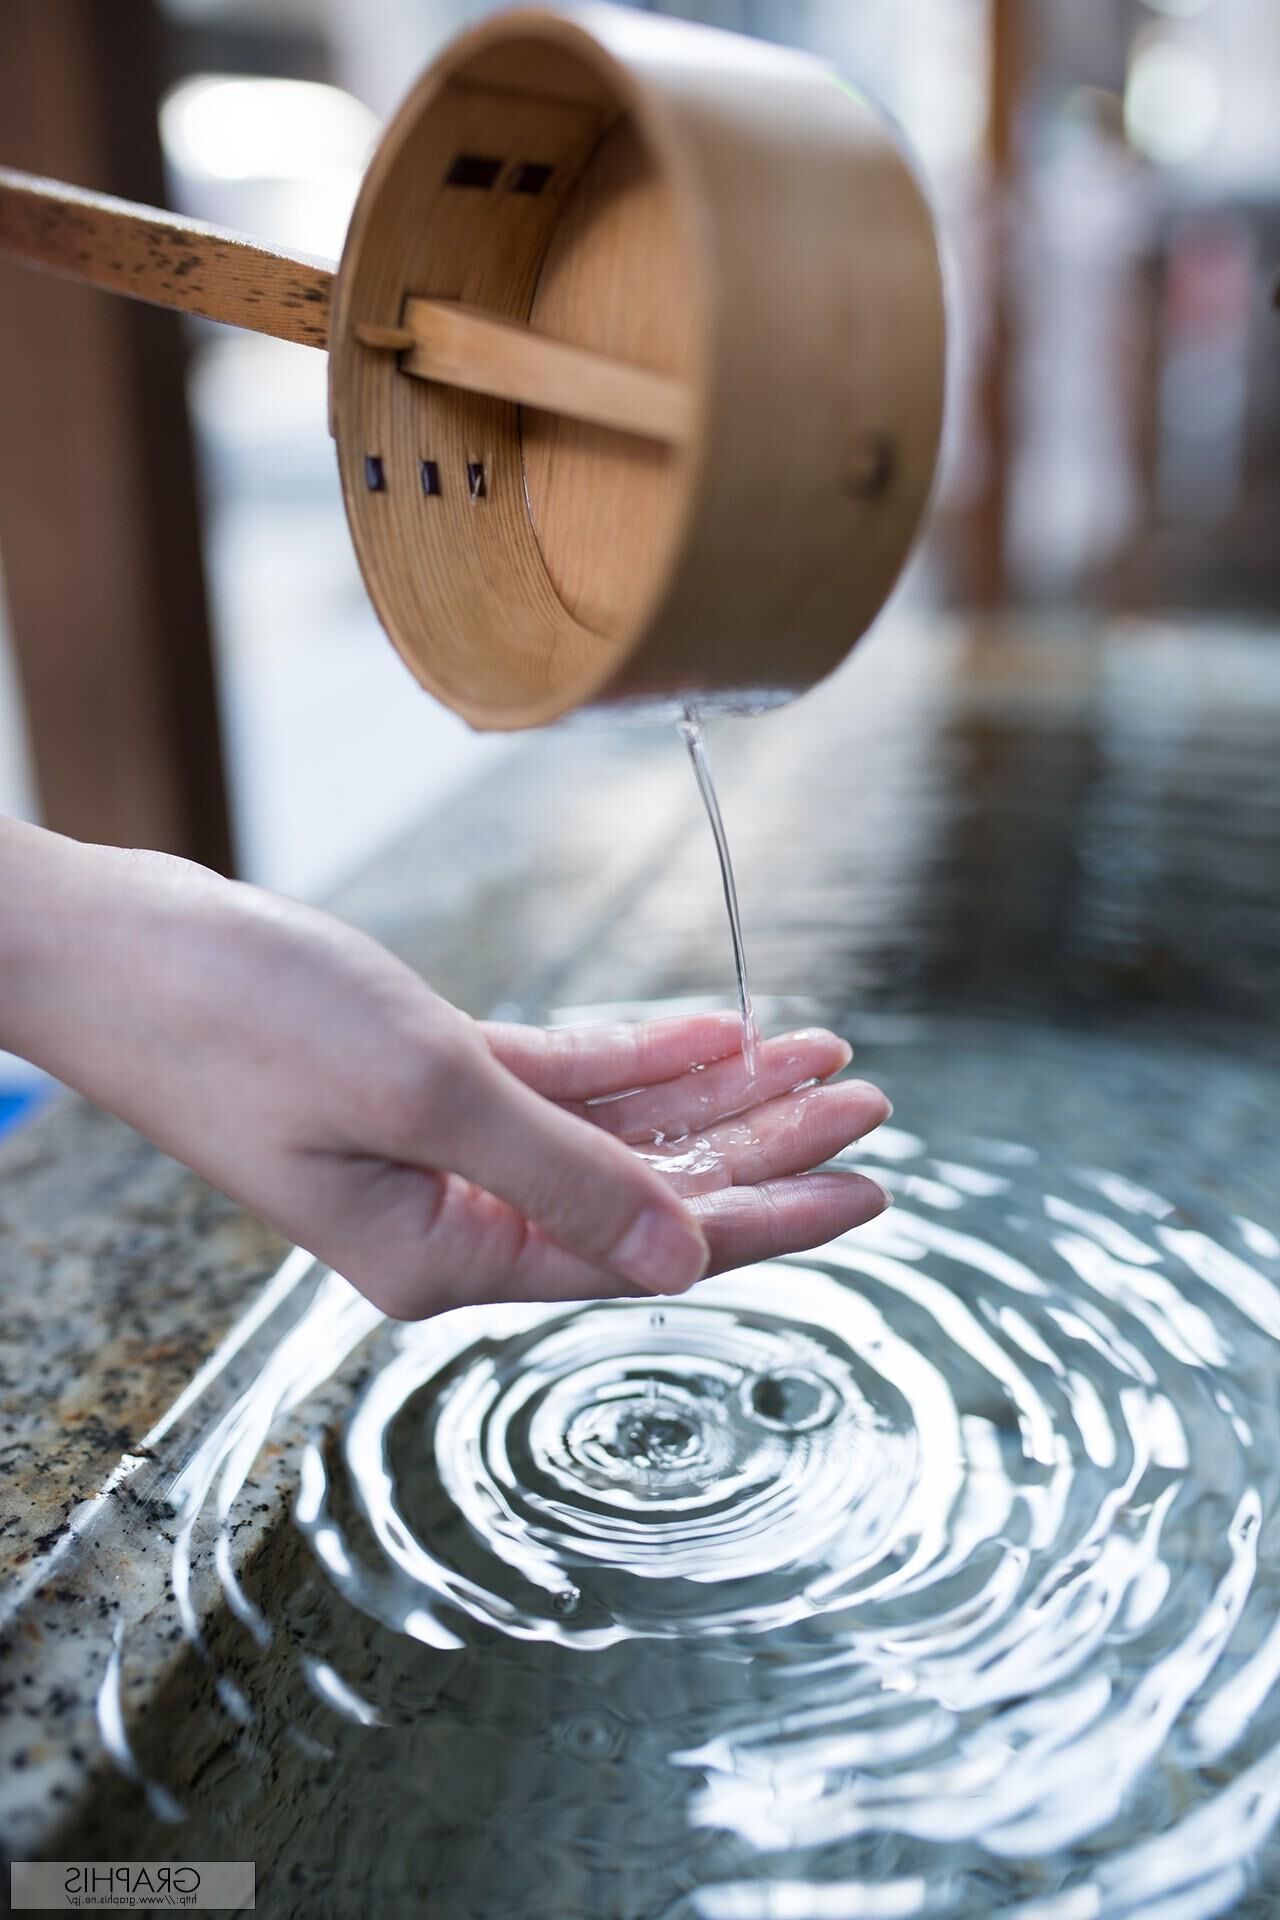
[[786, 1136], [588, 1192], [744, 1224], [591, 1063], [432, 1244], [694, 1101], [416, 1244]]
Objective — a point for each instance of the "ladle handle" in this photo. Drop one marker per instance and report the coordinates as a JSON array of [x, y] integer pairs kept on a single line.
[[164, 258], [174, 262]]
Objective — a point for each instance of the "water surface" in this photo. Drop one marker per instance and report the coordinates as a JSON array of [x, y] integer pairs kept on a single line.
[[934, 1573]]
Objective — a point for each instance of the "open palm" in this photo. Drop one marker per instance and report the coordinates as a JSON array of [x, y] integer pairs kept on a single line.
[[434, 1160]]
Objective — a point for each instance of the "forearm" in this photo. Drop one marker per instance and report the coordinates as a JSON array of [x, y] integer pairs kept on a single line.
[[318, 1081], [182, 1001], [89, 941]]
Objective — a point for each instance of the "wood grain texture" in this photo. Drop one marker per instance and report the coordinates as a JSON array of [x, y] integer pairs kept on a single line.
[[463, 347], [458, 580], [674, 305], [823, 363], [721, 213], [200, 269], [164, 259], [607, 510]]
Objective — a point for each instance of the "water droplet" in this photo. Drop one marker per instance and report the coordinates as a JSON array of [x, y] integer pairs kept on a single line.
[[792, 1401], [568, 1600]]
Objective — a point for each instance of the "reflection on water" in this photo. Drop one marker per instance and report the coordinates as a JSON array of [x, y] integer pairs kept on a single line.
[[1085, 828], [932, 1574]]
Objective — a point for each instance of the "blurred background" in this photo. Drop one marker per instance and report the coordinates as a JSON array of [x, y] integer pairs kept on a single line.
[[187, 657]]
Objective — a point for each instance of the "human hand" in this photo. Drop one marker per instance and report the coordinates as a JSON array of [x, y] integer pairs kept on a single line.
[[739, 1148], [433, 1160]]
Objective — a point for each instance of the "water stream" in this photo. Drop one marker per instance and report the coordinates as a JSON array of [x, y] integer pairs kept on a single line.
[[691, 731]]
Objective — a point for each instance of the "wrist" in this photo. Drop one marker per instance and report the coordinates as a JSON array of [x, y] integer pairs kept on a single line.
[[19, 929], [46, 902]]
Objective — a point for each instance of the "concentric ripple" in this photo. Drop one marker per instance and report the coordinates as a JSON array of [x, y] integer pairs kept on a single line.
[[964, 1532], [620, 1469]]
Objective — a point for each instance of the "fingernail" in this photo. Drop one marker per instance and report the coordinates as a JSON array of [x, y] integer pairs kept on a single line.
[[884, 1193], [813, 1036], [661, 1253], [882, 1098]]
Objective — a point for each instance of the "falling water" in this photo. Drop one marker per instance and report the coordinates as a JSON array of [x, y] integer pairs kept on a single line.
[[694, 738]]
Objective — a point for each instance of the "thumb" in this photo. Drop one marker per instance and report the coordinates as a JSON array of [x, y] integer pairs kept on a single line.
[[587, 1191]]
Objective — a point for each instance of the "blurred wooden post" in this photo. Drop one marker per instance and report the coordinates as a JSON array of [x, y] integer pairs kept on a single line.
[[988, 583], [99, 524]]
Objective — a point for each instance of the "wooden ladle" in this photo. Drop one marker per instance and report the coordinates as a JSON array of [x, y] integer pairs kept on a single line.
[[636, 361]]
